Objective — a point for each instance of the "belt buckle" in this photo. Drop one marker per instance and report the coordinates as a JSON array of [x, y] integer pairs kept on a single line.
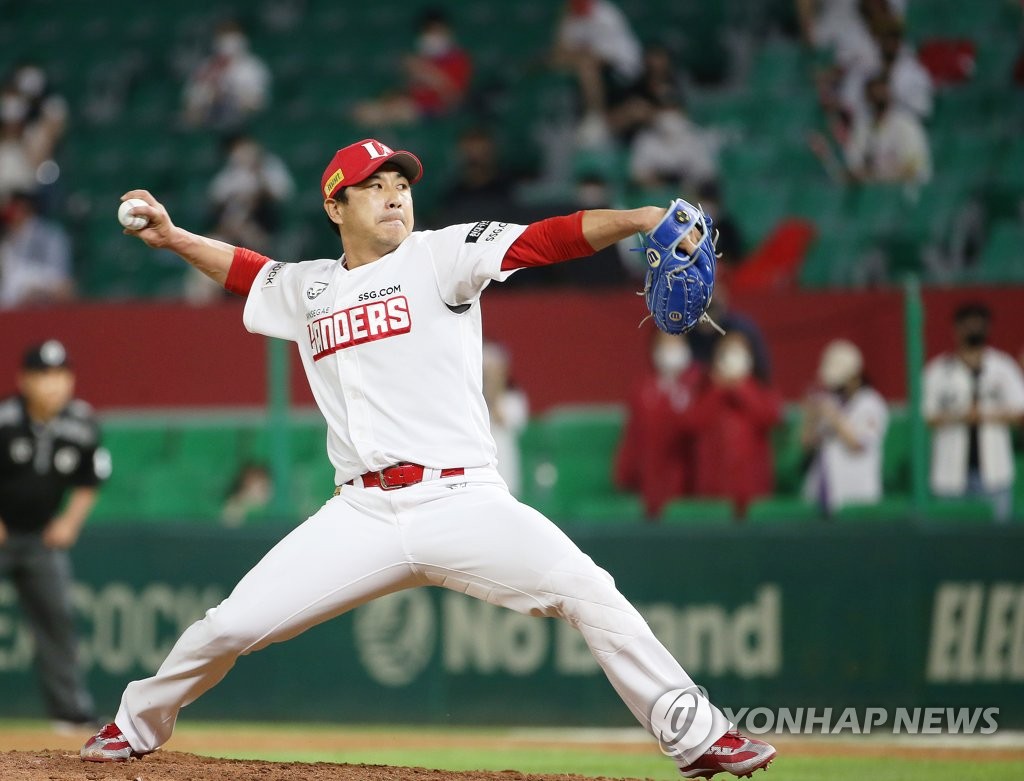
[[384, 485]]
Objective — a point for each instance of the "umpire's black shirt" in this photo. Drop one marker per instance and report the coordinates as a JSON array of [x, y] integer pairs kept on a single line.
[[39, 462]]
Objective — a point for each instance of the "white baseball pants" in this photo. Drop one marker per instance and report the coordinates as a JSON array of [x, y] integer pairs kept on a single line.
[[465, 533]]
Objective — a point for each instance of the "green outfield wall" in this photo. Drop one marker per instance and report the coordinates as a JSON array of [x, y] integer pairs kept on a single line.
[[794, 616]]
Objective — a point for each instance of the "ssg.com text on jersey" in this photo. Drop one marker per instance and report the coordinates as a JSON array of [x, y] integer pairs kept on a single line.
[[384, 291]]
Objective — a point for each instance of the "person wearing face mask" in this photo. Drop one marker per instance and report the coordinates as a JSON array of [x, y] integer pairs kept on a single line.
[[887, 142], [31, 82], [49, 450], [843, 428], [245, 198], [229, 86], [972, 397], [655, 456], [671, 150], [32, 122], [437, 78], [731, 420], [704, 338]]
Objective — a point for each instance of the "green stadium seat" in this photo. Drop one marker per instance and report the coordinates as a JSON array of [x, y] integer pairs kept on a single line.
[[720, 108], [1018, 489], [778, 67], [781, 510], [878, 208], [788, 453], [892, 509], [896, 453], [822, 202], [698, 512], [609, 508], [176, 493], [206, 447], [118, 498], [830, 261], [758, 204], [309, 441], [581, 444], [1003, 257], [135, 446], [966, 510]]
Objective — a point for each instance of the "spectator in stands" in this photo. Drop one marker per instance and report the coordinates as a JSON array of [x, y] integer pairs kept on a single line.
[[730, 244], [614, 265], [35, 255], [29, 133], [607, 267], [509, 411], [437, 76], [655, 456], [247, 193], [230, 85], [658, 85], [731, 420], [844, 28], [31, 81], [842, 431], [670, 151], [17, 160], [51, 466], [704, 338], [909, 81], [886, 145], [596, 42], [45, 123], [245, 198], [250, 493], [973, 396], [483, 187]]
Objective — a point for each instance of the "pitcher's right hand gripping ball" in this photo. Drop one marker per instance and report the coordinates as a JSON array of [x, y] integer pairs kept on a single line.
[[127, 217], [680, 274]]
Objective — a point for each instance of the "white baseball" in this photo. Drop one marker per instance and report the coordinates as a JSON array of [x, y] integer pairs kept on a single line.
[[129, 220]]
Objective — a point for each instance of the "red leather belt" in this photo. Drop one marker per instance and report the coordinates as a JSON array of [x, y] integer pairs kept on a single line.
[[400, 476]]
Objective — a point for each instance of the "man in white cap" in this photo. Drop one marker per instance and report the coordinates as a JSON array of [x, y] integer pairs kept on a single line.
[[843, 429]]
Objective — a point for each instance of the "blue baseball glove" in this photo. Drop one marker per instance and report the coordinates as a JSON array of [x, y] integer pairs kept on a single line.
[[679, 284]]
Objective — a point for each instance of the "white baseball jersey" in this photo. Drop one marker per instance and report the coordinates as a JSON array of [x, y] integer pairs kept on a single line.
[[392, 349]]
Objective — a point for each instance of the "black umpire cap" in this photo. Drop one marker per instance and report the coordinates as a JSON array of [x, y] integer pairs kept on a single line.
[[48, 355]]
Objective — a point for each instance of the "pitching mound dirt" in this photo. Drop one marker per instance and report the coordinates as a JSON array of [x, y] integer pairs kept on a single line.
[[177, 766]]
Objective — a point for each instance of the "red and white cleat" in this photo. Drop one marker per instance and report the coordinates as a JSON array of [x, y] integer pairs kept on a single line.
[[109, 745], [732, 753]]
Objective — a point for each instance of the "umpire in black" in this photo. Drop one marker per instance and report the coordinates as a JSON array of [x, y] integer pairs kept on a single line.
[[49, 453]]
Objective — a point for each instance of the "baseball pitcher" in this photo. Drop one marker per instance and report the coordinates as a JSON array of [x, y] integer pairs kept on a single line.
[[390, 340]]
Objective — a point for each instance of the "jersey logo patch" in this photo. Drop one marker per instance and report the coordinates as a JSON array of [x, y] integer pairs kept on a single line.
[[315, 289], [272, 274], [358, 325], [476, 232]]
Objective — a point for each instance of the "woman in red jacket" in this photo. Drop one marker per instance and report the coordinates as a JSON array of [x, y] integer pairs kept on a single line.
[[655, 457], [731, 420]]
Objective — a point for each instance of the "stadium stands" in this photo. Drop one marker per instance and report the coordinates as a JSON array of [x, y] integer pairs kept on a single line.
[[124, 84]]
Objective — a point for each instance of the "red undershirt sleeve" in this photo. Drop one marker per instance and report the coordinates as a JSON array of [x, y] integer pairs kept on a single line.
[[245, 265], [548, 241]]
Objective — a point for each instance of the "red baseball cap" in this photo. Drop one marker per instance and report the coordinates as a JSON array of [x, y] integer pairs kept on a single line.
[[357, 161]]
